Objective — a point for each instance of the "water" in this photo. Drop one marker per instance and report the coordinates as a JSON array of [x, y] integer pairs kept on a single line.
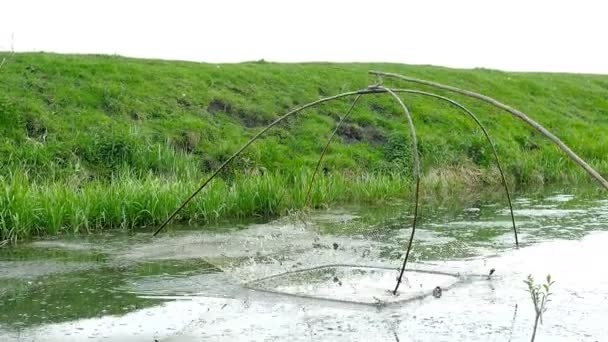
[[326, 276]]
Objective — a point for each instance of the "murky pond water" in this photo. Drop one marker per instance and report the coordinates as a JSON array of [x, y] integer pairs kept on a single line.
[[326, 276]]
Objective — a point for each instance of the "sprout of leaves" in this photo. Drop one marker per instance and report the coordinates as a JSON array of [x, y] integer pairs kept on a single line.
[[539, 294]]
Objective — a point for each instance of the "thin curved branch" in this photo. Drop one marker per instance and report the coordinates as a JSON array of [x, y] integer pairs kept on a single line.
[[518, 114], [254, 138], [487, 135], [331, 138], [410, 122], [416, 177]]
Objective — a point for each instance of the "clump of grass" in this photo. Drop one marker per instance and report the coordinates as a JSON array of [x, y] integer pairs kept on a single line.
[[539, 294]]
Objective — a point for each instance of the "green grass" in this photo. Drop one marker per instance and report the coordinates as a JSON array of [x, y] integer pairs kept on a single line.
[[29, 207], [91, 142]]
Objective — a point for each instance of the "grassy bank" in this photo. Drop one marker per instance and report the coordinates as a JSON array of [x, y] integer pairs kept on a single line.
[[90, 142]]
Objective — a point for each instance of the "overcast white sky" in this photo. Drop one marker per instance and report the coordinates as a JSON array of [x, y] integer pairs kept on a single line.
[[532, 35]]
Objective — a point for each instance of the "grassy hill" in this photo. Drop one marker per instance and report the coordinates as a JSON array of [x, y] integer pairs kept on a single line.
[[117, 142]]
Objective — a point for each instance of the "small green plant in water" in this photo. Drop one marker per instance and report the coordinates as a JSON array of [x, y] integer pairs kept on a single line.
[[539, 294]]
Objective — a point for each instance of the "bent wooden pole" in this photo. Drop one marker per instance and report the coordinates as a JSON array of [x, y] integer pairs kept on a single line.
[[254, 138], [513, 111], [416, 177], [485, 133], [331, 138]]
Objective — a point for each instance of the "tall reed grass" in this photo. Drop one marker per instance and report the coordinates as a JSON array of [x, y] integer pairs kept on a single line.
[[126, 201], [30, 205]]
